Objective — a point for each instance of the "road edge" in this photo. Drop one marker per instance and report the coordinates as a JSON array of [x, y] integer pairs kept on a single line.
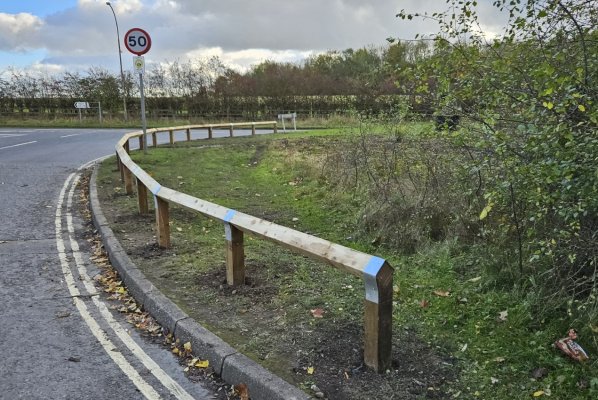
[[232, 366]]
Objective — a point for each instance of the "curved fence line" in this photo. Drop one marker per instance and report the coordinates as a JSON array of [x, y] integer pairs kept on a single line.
[[376, 272]]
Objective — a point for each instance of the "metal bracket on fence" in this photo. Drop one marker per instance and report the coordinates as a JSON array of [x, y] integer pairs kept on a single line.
[[370, 273]]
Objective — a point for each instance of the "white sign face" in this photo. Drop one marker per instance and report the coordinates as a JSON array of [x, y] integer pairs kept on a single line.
[[138, 41], [81, 104], [139, 65]]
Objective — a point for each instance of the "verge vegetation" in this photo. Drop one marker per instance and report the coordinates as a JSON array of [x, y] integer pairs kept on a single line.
[[399, 190]]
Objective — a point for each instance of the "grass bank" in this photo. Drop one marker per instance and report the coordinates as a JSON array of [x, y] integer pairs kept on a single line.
[[457, 333]]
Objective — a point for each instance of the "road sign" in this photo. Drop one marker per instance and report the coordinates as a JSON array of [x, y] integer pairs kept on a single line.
[[81, 104], [138, 41], [139, 64]]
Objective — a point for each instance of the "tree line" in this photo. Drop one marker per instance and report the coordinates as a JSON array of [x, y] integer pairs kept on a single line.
[[362, 80]]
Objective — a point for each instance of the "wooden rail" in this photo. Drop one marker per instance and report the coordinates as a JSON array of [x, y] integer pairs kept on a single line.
[[376, 272]]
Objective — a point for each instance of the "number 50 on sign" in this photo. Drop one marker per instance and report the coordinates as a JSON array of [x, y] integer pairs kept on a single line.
[[138, 41]]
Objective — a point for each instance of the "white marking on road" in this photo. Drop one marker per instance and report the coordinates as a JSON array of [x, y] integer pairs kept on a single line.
[[17, 145], [92, 162], [147, 361], [74, 134], [9, 135], [99, 334]]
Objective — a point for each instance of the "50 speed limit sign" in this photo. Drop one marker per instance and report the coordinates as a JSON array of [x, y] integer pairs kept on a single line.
[[138, 41]]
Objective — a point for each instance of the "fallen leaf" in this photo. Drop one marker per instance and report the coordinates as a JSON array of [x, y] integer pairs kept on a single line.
[[175, 351], [317, 313], [424, 303], [499, 359], [202, 364], [502, 316], [442, 293], [310, 370], [538, 393], [473, 280], [464, 347], [242, 391], [179, 229], [187, 347]]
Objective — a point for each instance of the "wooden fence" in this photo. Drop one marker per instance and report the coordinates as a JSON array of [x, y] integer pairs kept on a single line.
[[376, 272]]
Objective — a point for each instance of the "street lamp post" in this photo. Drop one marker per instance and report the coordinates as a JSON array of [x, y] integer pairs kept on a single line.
[[120, 59]]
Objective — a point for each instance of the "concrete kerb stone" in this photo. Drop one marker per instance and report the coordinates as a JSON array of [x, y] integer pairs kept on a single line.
[[262, 384], [232, 366], [209, 347], [98, 217], [163, 310]]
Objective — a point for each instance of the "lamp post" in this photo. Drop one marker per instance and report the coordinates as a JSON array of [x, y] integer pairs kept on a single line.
[[122, 75]]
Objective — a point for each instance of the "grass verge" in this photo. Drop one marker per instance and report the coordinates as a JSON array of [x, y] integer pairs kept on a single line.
[[456, 334]]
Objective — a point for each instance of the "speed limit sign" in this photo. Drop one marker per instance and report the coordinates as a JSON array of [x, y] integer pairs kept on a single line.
[[138, 41]]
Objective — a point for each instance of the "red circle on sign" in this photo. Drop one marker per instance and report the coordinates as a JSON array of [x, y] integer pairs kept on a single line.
[[137, 41]]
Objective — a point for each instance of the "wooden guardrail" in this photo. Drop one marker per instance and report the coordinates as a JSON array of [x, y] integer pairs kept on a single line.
[[376, 272]]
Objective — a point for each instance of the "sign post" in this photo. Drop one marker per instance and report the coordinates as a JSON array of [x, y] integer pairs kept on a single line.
[[138, 42]]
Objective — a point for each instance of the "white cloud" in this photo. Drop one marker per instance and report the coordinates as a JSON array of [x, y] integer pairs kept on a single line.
[[240, 32], [243, 60], [17, 31]]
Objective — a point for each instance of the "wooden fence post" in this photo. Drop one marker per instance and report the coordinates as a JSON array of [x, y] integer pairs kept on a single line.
[[126, 147], [141, 142], [253, 128], [120, 168], [210, 132], [235, 255], [230, 130], [171, 137], [378, 315], [275, 128], [162, 219], [188, 134], [154, 139], [128, 179], [142, 197]]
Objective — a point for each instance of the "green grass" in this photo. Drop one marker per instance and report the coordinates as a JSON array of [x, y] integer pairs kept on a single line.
[[491, 331]]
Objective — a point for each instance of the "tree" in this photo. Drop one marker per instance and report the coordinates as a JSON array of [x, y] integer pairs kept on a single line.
[[529, 102]]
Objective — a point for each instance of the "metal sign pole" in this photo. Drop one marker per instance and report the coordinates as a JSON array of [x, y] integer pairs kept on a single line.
[[143, 123]]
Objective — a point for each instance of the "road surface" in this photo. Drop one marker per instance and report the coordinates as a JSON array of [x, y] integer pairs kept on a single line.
[[59, 339]]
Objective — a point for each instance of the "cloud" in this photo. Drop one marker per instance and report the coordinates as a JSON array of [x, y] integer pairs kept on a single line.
[[18, 31], [240, 32], [243, 60]]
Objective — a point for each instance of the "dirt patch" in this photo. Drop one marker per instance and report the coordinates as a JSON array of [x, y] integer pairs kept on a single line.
[[255, 289]]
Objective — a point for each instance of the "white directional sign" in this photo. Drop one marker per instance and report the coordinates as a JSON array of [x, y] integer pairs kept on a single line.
[[138, 41], [81, 104]]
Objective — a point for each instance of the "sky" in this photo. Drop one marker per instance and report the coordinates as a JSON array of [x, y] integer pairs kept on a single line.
[[55, 36]]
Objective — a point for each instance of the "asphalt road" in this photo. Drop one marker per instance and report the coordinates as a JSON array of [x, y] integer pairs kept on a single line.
[[56, 341]]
